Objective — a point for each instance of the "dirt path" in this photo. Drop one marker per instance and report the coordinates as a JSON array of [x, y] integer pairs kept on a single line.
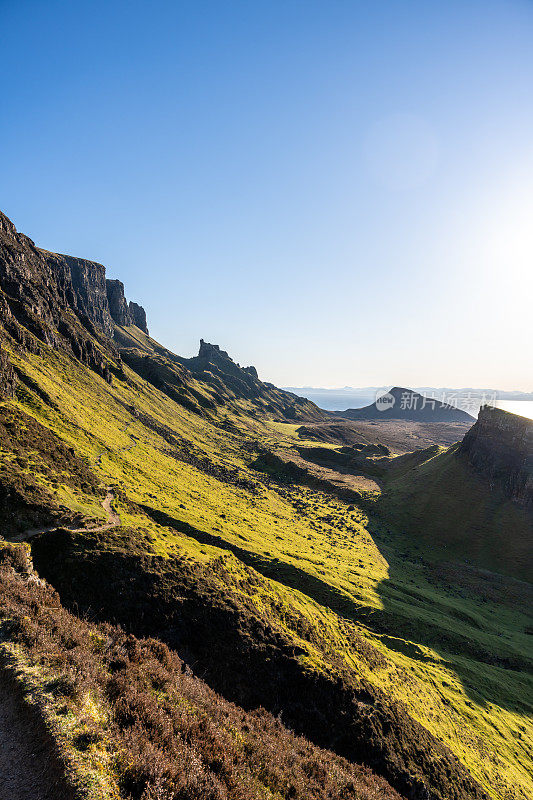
[[113, 518], [29, 769], [113, 521]]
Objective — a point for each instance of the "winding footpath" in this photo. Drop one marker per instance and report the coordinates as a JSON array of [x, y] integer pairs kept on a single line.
[[113, 517], [29, 770], [113, 521]]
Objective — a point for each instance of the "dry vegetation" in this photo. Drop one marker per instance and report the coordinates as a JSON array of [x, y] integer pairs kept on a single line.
[[138, 716]]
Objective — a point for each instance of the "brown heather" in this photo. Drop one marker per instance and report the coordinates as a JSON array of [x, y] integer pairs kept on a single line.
[[172, 737]]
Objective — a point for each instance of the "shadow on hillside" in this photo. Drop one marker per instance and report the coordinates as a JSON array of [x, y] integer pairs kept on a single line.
[[439, 608], [409, 617]]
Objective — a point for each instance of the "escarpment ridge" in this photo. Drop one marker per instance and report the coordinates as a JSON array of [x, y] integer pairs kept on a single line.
[[499, 447], [67, 303], [50, 282]]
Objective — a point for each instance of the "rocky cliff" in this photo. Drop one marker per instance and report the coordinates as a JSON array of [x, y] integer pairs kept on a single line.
[[67, 303], [499, 447], [230, 381], [138, 316], [122, 312], [60, 301]]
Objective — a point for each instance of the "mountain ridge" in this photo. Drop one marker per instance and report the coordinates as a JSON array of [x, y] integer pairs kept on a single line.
[[68, 302], [276, 590]]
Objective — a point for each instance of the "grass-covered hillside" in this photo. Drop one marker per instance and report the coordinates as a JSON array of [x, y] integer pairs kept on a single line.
[[443, 503], [129, 719], [277, 593], [276, 587]]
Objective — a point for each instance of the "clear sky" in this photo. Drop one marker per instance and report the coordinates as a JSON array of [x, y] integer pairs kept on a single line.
[[340, 193]]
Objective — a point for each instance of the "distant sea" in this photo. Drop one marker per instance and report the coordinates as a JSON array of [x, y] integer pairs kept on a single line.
[[340, 400], [522, 407]]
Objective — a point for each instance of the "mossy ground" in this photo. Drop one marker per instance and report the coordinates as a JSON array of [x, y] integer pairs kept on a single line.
[[456, 656]]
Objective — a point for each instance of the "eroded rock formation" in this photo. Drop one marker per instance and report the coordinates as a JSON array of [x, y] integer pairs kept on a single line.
[[60, 301], [138, 316], [500, 448], [8, 379]]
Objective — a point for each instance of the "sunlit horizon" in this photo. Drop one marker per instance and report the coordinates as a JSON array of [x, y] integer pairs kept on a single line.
[[340, 195]]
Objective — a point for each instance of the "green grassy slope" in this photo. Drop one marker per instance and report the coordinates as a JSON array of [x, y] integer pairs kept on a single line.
[[441, 502], [336, 593]]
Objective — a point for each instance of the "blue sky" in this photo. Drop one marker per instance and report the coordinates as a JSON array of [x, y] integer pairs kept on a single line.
[[338, 192]]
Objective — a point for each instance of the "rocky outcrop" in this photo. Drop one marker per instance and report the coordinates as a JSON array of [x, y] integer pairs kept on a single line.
[[138, 316], [90, 292], [124, 313], [229, 381], [118, 306], [8, 379], [67, 303], [60, 301], [499, 447], [406, 404], [38, 303]]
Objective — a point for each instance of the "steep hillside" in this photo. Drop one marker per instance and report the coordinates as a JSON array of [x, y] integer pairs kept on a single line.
[[473, 501], [276, 592], [406, 404], [68, 304], [191, 743]]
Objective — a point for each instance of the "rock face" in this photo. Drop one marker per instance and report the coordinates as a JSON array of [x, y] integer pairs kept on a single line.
[[122, 312], [60, 301], [138, 316], [118, 306], [215, 365], [407, 404], [67, 303], [229, 381], [89, 290], [8, 380], [500, 448]]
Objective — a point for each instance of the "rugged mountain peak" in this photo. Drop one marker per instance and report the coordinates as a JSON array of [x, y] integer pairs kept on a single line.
[[212, 351], [500, 448], [122, 312]]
